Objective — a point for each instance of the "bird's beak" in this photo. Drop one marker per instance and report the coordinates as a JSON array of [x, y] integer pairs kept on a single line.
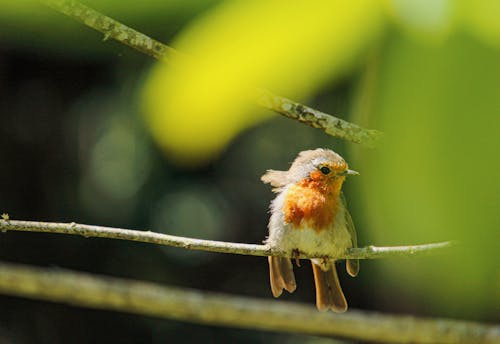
[[352, 173]]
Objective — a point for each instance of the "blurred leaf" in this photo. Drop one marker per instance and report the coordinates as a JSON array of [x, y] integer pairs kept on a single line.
[[428, 19], [435, 20], [482, 18], [431, 180], [289, 47]]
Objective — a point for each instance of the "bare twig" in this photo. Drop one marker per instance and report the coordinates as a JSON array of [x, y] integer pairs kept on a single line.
[[200, 307], [331, 125], [369, 252], [113, 29]]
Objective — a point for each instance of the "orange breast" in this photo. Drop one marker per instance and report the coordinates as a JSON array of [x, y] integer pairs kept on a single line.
[[311, 204]]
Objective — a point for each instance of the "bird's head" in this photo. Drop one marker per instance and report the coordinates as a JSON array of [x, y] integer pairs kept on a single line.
[[321, 166]]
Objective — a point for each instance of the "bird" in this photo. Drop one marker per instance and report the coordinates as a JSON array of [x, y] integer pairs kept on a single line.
[[309, 216]]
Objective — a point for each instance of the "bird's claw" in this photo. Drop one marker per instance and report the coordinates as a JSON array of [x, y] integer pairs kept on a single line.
[[325, 261], [296, 256]]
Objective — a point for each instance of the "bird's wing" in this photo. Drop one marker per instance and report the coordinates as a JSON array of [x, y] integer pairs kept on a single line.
[[278, 179], [349, 223], [352, 265]]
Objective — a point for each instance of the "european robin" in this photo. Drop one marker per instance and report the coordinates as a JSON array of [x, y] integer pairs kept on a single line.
[[309, 216]]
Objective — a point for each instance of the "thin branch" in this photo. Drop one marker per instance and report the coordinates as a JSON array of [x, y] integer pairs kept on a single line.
[[113, 29], [217, 309], [369, 252], [331, 125]]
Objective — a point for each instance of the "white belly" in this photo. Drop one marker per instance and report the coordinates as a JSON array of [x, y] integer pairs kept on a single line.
[[330, 242]]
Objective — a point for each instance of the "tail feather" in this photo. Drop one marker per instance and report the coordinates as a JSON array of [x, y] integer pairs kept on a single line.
[[281, 275], [329, 294]]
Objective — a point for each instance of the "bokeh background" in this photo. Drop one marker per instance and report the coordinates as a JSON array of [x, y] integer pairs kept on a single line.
[[96, 133]]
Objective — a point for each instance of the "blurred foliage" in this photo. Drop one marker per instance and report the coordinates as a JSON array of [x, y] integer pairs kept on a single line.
[[291, 48], [28, 25], [436, 100], [430, 178], [95, 136]]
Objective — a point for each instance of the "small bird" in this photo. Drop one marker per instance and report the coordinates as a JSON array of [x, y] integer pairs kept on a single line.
[[309, 216]]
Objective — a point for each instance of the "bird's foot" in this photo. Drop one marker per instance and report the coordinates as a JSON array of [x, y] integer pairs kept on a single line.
[[325, 261], [296, 256]]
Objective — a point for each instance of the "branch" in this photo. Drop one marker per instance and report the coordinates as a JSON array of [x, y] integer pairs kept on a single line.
[[369, 252], [113, 29], [208, 308], [331, 125]]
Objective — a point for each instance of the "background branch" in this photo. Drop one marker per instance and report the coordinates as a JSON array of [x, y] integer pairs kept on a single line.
[[113, 29], [201, 307], [369, 252]]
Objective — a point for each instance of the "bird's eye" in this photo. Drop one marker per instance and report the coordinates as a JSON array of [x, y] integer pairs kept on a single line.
[[325, 170]]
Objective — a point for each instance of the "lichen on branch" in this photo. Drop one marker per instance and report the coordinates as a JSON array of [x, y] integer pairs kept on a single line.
[[86, 290], [88, 231], [113, 29]]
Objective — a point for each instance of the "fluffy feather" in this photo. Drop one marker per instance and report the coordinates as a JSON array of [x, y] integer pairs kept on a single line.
[[309, 216]]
